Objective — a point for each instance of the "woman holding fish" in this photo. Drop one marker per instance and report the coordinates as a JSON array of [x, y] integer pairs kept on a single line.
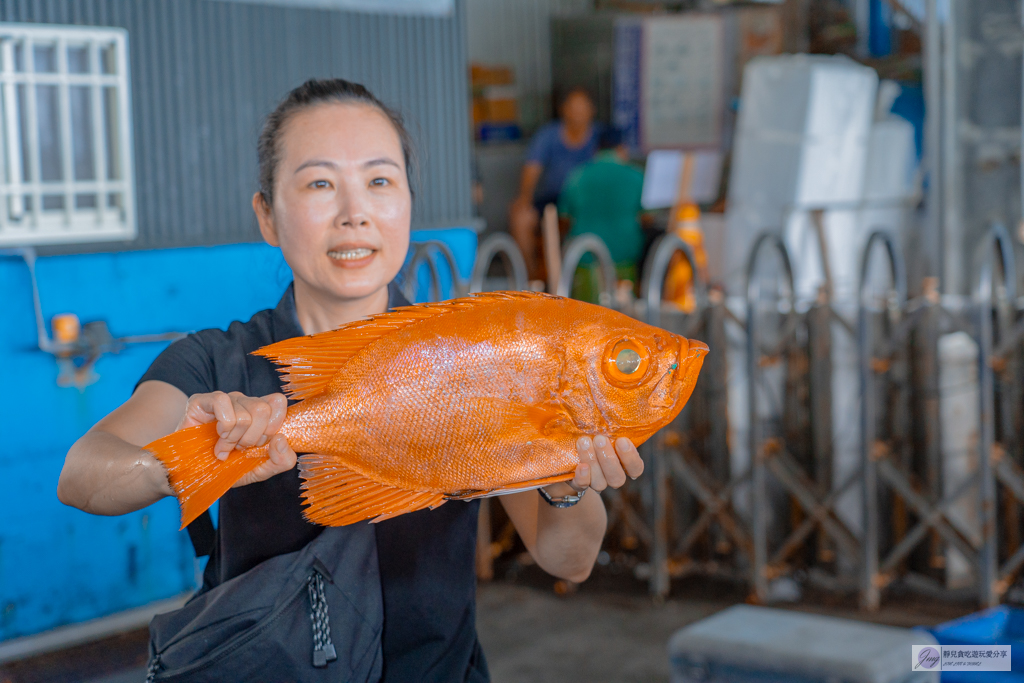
[[403, 415]]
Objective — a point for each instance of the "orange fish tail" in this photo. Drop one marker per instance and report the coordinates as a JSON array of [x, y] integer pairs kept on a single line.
[[197, 476]]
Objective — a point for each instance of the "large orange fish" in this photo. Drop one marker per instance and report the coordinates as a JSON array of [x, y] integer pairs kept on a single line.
[[468, 398]]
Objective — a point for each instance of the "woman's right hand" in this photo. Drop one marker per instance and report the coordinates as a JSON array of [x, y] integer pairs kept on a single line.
[[242, 422]]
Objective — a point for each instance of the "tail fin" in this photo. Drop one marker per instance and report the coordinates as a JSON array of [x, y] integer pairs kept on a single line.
[[194, 472]]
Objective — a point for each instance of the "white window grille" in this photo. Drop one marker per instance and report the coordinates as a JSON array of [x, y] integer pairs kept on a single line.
[[65, 143]]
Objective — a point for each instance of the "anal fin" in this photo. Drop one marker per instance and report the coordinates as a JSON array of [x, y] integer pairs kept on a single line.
[[338, 496]]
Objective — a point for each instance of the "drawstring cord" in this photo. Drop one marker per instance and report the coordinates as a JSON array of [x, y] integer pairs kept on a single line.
[[153, 669], [323, 648]]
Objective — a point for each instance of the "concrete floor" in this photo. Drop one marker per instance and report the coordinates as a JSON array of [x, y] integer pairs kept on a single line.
[[534, 635], [606, 631], [609, 634]]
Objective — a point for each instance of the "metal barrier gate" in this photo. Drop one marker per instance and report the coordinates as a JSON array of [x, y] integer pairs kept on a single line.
[[779, 514]]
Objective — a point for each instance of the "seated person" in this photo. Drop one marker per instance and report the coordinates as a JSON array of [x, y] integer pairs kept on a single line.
[[556, 150], [603, 198]]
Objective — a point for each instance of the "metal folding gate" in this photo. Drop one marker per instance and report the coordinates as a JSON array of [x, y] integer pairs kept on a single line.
[[778, 515]]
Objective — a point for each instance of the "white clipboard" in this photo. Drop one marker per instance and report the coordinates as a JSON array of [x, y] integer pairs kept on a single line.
[[662, 178]]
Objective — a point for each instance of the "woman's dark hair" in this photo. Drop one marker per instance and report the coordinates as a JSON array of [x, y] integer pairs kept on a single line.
[[309, 94], [564, 94]]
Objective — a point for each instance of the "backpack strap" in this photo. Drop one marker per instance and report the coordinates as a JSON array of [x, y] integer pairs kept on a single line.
[[202, 534]]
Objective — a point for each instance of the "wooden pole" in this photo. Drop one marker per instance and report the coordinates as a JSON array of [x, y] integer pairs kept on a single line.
[[552, 247]]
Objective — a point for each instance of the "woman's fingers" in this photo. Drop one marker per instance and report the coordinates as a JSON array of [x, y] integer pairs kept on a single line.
[[587, 453], [581, 482], [259, 417], [204, 408], [278, 411], [281, 454], [223, 409], [282, 459], [609, 461], [278, 404], [241, 423], [629, 457]]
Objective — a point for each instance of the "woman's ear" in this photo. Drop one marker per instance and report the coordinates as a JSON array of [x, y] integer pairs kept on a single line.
[[265, 217]]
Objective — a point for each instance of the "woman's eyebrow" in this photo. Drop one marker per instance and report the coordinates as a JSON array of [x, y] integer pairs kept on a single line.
[[381, 160], [330, 164], [316, 162]]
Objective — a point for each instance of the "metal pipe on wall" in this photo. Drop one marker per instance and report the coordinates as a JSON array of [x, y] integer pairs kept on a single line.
[[935, 238], [953, 276]]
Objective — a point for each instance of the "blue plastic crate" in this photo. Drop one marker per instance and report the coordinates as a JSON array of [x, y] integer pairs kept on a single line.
[[500, 132], [997, 626]]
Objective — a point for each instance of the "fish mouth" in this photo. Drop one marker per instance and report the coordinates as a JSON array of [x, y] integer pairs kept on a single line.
[[689, 351]]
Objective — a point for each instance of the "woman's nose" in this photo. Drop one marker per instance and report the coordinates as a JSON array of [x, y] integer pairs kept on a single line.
[[352, 208]]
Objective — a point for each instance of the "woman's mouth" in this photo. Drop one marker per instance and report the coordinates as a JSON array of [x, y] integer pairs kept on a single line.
[[351, 257], [350, 254]]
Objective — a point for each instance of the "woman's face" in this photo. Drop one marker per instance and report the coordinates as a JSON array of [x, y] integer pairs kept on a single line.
[[342, 202]]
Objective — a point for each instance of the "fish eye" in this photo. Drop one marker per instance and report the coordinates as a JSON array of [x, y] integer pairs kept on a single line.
[[626, 362]]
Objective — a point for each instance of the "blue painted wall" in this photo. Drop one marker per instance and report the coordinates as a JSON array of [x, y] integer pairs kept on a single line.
[[59, 565]]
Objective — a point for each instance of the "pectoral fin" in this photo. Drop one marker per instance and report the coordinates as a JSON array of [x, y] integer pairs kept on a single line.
[[543, 419]]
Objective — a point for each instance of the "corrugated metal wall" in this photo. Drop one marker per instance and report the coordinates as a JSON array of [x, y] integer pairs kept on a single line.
[[205, 73], [518, 32]]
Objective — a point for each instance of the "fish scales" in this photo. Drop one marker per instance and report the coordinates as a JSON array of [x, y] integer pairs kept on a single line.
[[478, 396]]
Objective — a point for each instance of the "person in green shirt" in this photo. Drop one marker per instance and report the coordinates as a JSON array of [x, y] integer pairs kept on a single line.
[[603, 197]]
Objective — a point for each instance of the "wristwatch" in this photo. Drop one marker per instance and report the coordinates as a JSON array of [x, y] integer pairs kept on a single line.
[[562, 501]]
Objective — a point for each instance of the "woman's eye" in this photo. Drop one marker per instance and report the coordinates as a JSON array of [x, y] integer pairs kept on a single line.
[[379, 182], [320, 184]]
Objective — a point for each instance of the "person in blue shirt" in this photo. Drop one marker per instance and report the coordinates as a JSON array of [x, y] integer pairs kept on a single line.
[[556, 150]]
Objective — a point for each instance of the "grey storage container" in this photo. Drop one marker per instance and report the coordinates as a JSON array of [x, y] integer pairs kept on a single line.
[[745, 643]]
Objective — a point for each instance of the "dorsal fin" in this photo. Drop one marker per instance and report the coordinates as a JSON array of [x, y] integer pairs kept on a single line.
[[311, 362]]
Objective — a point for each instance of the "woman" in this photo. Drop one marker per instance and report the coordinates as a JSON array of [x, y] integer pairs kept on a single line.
[[335, 196]]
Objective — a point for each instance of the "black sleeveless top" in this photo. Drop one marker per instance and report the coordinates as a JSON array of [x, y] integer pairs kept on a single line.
[[426, 558]]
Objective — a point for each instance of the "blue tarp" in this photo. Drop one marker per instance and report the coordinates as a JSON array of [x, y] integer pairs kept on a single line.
[[1001, 625]]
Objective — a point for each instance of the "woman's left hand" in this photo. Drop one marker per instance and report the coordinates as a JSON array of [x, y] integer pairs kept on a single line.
[[604, 464]]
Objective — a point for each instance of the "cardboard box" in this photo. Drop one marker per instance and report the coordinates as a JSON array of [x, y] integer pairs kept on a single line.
[[483, 75]]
